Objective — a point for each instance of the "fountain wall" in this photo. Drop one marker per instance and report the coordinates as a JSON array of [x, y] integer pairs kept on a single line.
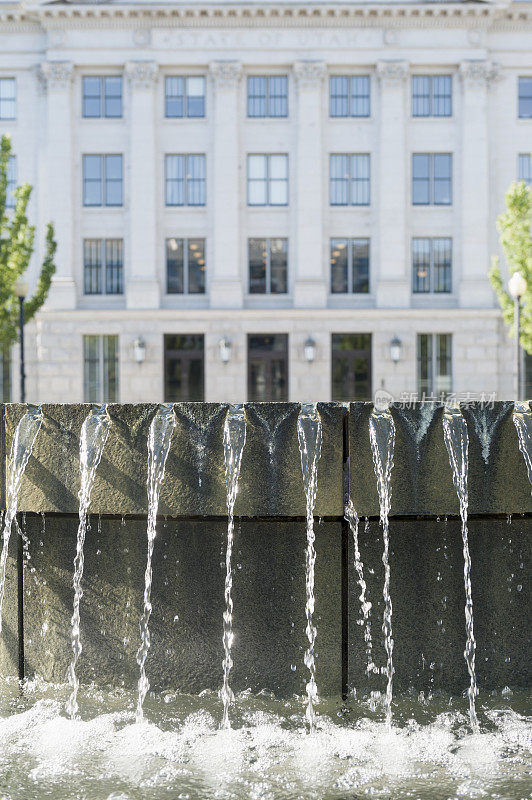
[[269, 552]]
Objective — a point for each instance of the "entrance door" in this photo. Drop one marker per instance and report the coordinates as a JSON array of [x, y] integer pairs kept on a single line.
[[351, 366], [184, 368], [267, 367]]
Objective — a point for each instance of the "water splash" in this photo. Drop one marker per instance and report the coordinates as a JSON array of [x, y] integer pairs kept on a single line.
[[309, 433], [382, 438], [457, 443], [21, 447], [159, 439], [523, 422], [365, 606], [94, 433], [234, 441]]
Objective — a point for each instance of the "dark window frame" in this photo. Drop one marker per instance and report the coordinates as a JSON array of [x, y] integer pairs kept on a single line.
[[105, 182], [190, 185], [350, 180], [185, 97], [105, 96], [433, 98], [186, 266], [351, 355], [185, 355], [446, 268], [344, 104], [430, 180], [269, 356], [349, 242], [268, 267]]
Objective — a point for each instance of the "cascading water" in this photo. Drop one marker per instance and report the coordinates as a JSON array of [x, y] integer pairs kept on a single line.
[[523, 422], [159, 439], [457, 443], [21, 447], [382, 438], [365, 606], [309, 433], [234, 441], [94, 433]]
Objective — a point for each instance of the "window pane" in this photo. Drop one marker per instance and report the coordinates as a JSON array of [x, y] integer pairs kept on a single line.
[[278, 167], [196, 266], [339, 180], [441, 96], [278, 96], [7, 98], [278, 193], [441, 255], [339, 255], [257, 101], [278, 265], [360, 261], [360, 180], [351, 366], [92, 95], [175, 96], [114, 266], [91, 370], [196, 97], [443, 382], [183, 367], [424, 363], [360, 96], [257, 249], [525, 97], [267, 367], [174, 266], [421, 265], [420, 96], [175, 180], [442, 179], [92, 180], [256, 167], [110, 369], [113, 180], [339, 96], [524, 168], [113, 96], [92, 260], [195, 180], [257, 193], [420, 179]]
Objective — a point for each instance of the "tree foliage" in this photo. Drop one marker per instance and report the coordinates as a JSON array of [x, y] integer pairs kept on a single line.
[[516, 240], [17, 238]]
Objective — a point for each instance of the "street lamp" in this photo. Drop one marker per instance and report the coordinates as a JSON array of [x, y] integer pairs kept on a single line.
[[21, 290], [517, 287]]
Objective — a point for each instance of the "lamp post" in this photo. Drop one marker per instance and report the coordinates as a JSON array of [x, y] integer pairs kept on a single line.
[[21, 290], [517, 287]]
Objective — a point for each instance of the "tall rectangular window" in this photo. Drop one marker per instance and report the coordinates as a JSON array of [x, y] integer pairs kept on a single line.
[[351, 366], [184, 96], [267, 96], [102, 96], [185, 266], [103, 265], [268, 180], [524, 168], [184, 367], [431, 265], [432, 179], [100, 374], [102, 180], [525, 98], [432, 95], [8, 98], [434, 364], [267, 367], [349, 179], [11, 181], [349, 266], [5, 374], [268, 266], [185, 180], [349, 96]]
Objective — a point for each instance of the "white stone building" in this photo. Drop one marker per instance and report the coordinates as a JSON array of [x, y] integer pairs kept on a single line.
[[262, 174]]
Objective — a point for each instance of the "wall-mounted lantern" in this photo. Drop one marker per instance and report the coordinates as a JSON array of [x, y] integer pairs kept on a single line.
[[139, 350], [225, 349], [310, 349], [395, 349]]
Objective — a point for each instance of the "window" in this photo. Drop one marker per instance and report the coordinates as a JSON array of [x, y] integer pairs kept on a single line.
[[431, 265], [102, 180], [102, 96], [185, 266], [100, 376], [184, 357], [267, 367], [268, 96], [525, 98], [524, 168], [11, 181], [528, 375], [267, 180], [432, 179], [184, 97], [268, 266], [434, 364], [432, 95], [351, 366], [349, 266], [349, 96], [5, 374], [8, 98], [349, 179], [185, 180], [103, 263]]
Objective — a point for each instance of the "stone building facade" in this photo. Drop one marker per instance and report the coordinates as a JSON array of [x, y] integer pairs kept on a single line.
[[267, 200]]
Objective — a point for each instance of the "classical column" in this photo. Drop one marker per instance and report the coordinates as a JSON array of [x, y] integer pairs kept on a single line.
[[471, 183], [62, 202], [311, 266], [226, 284], [140, 187], [391, 192]]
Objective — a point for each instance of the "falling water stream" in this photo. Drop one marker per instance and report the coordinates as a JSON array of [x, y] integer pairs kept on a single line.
[[365, 606], [234, 441], [94, 433], [21, 447], [382, 438], [309, 432], [159, 439], [457, 442], [523, 423]]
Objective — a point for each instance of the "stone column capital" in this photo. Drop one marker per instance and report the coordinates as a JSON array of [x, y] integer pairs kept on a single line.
[[226, 74], [476, 74], [142, 74], [392, 73], [55, 74], [309, 74]]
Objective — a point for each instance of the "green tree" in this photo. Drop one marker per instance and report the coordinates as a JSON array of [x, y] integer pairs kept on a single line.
[[17, 238], [516, 240]]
